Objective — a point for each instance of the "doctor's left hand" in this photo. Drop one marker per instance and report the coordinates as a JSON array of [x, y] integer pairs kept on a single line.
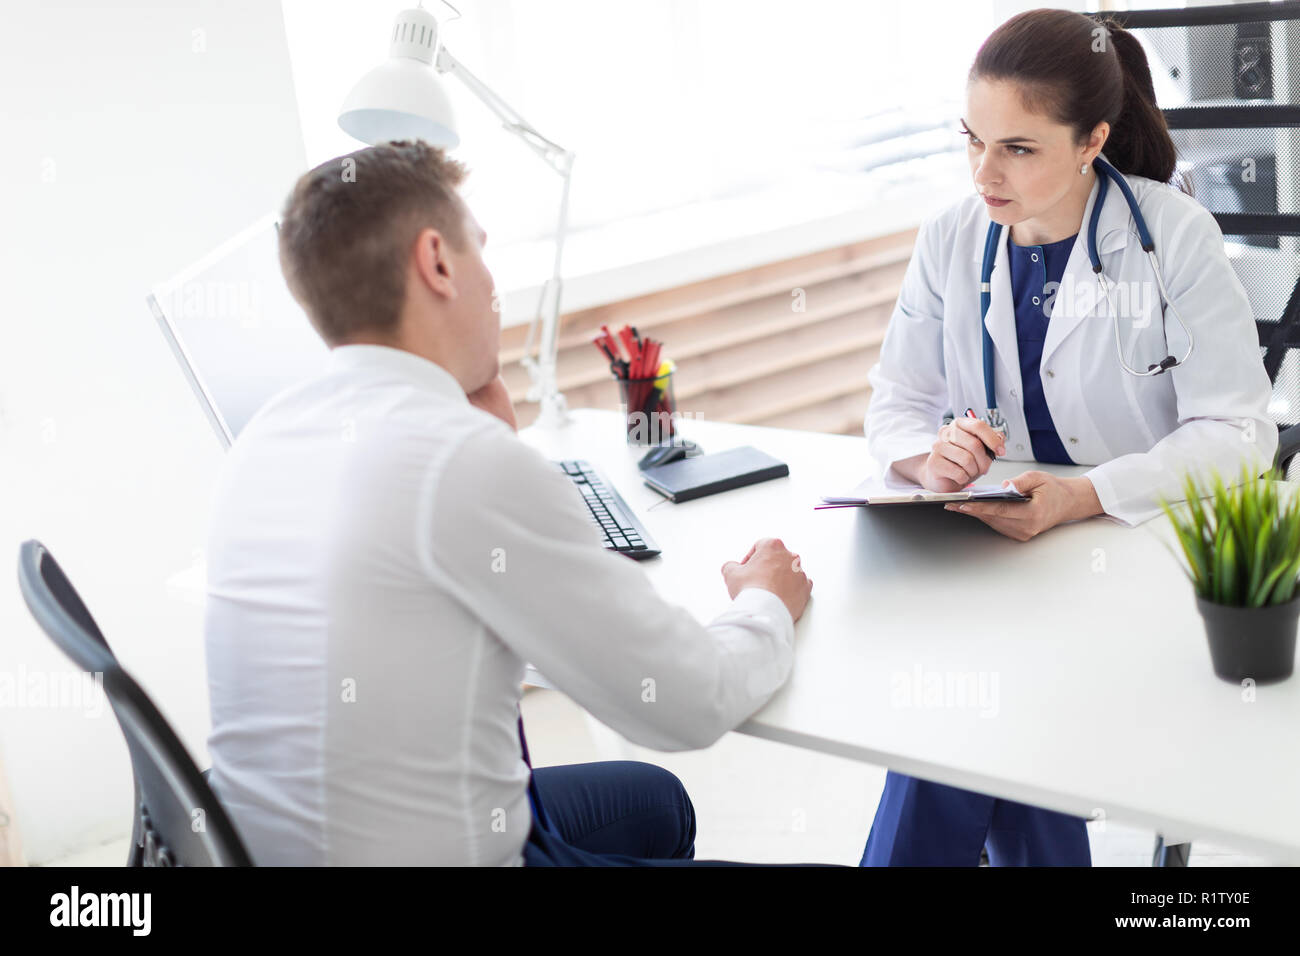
[[1052, 501]]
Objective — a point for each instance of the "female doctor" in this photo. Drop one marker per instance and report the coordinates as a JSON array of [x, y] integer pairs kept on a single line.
[[1159, 377]]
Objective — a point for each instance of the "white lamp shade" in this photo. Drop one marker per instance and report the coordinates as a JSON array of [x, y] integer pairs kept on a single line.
[[401, 98]]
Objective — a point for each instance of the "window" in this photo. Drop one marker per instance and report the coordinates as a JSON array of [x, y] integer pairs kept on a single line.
[[668, 104]]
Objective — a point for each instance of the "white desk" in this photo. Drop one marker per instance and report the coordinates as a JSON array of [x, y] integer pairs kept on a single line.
[[1099, 695]]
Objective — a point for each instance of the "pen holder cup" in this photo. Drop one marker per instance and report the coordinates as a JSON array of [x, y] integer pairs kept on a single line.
[[650, 409]]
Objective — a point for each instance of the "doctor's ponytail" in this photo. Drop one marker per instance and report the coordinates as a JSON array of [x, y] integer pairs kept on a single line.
[[1139, 141], [1080, 72]]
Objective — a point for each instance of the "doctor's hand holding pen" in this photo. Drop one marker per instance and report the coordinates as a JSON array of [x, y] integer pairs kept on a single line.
[[964, 451]]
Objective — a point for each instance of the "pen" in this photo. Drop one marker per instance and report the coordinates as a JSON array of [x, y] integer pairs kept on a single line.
[[610, 341], [616, 364], [970, 413], [630, 346]]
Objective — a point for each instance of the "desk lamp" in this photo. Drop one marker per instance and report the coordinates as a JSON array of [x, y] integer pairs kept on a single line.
[[402, 98]]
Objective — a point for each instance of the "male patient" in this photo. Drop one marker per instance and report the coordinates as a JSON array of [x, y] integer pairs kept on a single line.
[[385, 554]]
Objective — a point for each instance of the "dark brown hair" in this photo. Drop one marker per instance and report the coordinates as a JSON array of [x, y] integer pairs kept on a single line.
[[1079, 72], [347, 230]]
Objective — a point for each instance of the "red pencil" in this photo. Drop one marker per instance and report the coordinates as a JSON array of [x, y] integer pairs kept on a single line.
[[629, 343]]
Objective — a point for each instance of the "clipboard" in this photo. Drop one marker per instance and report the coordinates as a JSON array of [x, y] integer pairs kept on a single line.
[[873, 491]]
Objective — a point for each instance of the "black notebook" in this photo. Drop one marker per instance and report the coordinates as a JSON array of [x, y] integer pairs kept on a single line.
[[708, 474]]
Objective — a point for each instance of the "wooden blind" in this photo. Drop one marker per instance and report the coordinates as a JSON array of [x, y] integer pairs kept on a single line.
[[786, 344]]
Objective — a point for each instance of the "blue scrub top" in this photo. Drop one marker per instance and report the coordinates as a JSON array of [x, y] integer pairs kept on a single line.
[[1036, 273]]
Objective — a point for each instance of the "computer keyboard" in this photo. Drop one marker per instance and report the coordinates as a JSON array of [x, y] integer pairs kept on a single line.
[[622, 531]]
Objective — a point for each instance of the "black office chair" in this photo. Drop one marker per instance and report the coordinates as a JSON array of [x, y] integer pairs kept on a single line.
[[1237, 151], [178, 819]]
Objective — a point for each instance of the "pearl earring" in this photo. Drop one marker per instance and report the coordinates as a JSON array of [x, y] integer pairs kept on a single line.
[[1083, 170]]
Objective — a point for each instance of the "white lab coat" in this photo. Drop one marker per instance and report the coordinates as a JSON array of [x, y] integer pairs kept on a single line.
[[1142, 434]]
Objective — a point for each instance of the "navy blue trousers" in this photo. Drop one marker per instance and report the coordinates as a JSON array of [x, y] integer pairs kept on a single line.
[[613, 813], [919, 823]]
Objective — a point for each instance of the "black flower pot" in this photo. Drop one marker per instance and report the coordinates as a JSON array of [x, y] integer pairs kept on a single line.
[[1251, 642]]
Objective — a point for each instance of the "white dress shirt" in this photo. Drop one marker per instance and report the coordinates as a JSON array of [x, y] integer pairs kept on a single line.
[[383, 558]]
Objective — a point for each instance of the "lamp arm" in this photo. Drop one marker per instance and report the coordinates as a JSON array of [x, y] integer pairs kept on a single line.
[[556, 156], [541, 370]]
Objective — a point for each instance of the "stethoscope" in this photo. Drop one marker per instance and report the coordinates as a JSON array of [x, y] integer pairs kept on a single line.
[[995, 418]]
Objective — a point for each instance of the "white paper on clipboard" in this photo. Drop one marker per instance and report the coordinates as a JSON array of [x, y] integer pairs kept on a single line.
[[875, 491]]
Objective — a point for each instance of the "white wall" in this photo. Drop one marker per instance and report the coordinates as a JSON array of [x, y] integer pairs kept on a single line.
[[134, 138]]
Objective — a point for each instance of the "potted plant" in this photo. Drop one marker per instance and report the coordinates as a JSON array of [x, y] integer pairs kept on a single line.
[[1241, 545]]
